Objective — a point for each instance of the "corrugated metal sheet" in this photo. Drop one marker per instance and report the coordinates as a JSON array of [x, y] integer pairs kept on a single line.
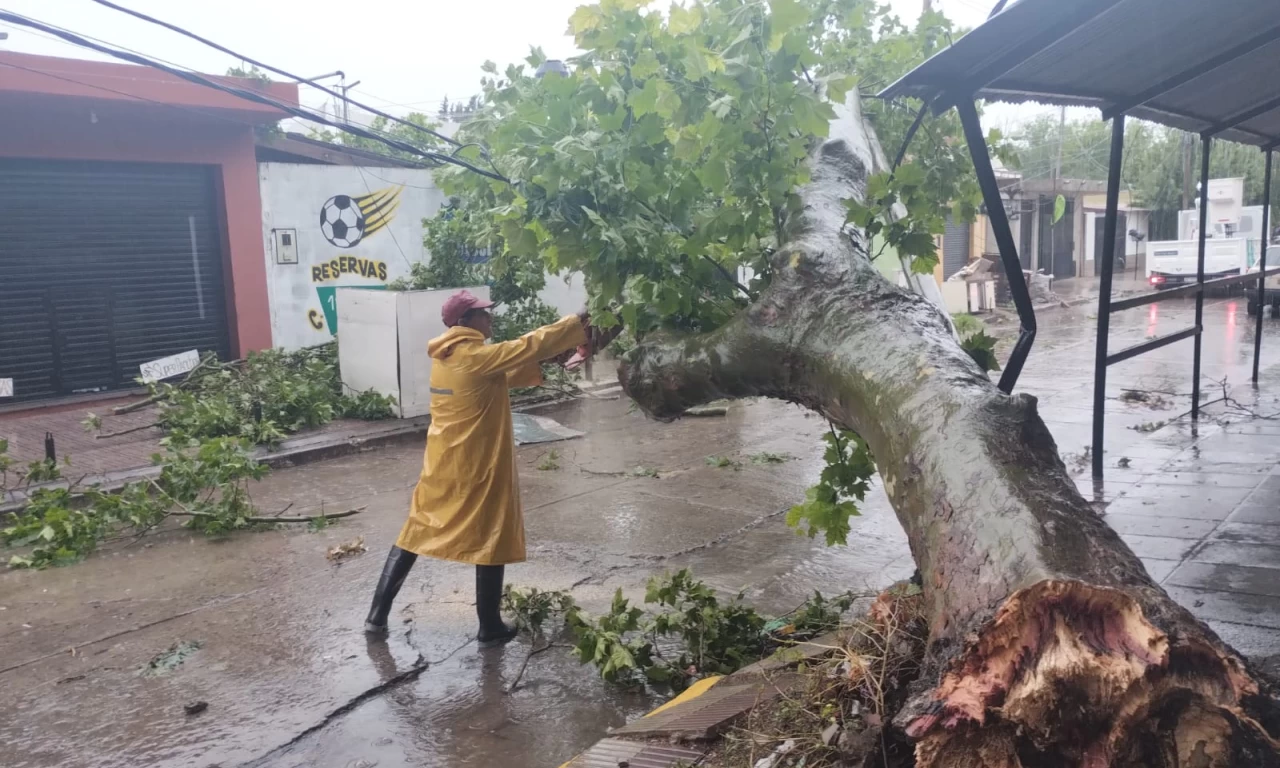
[[709, 714], [1100, 53], [105, 266], [611, 753]]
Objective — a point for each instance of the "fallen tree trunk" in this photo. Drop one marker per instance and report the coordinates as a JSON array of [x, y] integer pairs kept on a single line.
[[1049, 643]]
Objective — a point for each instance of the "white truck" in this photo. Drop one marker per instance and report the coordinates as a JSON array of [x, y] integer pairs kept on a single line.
[[1232, 246]]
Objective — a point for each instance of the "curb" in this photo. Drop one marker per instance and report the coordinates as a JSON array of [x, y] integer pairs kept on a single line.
[[293, 452]]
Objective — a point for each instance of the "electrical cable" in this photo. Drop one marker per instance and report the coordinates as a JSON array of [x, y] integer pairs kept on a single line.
[[247, 95], [58, 39], [269, 68], [369, 188]]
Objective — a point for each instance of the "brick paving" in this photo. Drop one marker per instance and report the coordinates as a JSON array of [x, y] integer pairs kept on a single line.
[[1205, 518], [25, 431]]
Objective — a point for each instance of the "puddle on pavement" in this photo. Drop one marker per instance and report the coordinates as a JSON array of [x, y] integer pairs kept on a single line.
[[458, 713]]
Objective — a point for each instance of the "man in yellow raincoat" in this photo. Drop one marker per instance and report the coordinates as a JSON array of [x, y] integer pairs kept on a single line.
[[466, 506]]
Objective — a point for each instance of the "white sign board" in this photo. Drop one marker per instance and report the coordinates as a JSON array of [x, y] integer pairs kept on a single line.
[[173, 365], [6, 387]]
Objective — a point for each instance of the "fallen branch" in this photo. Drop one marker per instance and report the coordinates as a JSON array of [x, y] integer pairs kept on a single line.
[[137, 406], [300, 519], [532, 652], [104, 435], [158, 396]]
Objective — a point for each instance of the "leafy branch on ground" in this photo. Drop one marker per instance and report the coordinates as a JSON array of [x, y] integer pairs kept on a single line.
[[261, 399], [549, 462], [683, 633], [204, 483], [724, 462]]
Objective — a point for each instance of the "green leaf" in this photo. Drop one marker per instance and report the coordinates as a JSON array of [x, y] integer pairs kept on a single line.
[[982, 348], [667, 102], [909, 175], [682, 21], [721, 106], [785, 15], [714, 176], [587, 17], [645, 100], [838, 87], [1059, 208], [646, 65]]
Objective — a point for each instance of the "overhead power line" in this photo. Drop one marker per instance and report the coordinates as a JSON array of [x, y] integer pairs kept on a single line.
[[247, 95], [269, 68]]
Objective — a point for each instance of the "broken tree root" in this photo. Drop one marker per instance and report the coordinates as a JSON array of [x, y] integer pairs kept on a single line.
[[1076, 675]]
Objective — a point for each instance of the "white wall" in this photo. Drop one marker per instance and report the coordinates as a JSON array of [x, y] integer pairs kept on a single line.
[[293, 196]]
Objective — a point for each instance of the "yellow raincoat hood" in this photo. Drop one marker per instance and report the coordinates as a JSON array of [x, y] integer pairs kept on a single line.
[[442, 346], [466, 506]]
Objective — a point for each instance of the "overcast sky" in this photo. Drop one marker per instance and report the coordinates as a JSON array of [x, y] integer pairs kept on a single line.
[[407, 54]]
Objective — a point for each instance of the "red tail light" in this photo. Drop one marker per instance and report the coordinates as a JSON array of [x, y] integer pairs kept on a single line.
[[1157, 279]]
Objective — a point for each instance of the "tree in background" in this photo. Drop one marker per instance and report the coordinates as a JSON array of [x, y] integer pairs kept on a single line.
[[392, 130], [1153, 159], [455, 261]]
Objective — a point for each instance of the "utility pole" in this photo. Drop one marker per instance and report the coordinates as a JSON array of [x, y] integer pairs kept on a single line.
[[928, 6], [1057, 163], [1187, 188], [346, 118]]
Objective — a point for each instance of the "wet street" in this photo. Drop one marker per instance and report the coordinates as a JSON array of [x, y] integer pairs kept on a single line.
[[290, 679]]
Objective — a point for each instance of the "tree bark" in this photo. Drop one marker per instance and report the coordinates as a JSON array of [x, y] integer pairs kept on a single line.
[[1049, 643]]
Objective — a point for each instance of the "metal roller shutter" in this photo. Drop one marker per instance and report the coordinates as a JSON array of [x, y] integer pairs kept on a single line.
[[104, 266], [955, 248]]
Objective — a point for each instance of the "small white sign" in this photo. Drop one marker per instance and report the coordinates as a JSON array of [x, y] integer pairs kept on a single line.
[[6, 387], [173, 365]]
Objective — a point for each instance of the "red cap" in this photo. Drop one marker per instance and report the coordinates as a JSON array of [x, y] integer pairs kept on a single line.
[[459, 304]]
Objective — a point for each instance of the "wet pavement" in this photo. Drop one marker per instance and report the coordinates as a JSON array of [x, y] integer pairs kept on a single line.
[[291, 681]]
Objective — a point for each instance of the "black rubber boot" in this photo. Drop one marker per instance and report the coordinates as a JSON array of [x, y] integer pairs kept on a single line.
[[493, 630], [394, 571]]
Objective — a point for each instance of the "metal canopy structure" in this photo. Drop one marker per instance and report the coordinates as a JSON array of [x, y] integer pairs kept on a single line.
[[1199, 66]]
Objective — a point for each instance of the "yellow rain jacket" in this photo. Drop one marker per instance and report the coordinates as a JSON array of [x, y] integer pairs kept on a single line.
[[466, 506]]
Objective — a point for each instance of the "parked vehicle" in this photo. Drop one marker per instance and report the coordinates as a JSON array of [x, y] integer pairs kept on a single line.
[[1232, 245]]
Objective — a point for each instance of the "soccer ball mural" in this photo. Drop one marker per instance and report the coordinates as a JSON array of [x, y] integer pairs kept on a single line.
[[346, 220], [341, 221]]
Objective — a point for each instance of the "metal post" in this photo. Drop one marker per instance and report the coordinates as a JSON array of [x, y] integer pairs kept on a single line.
[[1262, 263], [1110, 220], [1207, 143], [1004, 242]]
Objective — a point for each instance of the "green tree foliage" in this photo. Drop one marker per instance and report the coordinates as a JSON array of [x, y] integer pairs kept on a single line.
[[670, 155], [684, 632], [1152, 158], [392, 130], [269, 396], [457, 261], [666, 162], [206, 483]]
